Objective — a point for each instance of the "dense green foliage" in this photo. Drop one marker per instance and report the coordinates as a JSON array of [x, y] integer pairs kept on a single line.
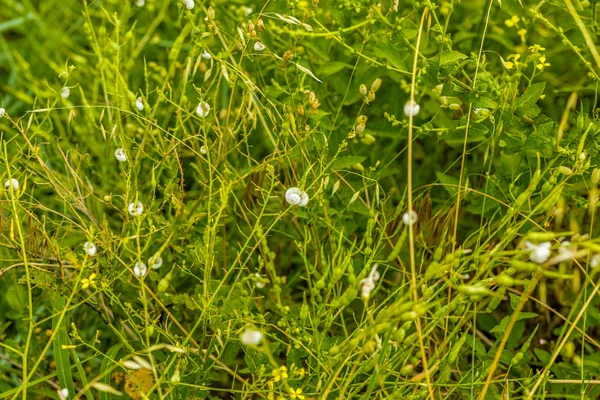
[[448, 254]]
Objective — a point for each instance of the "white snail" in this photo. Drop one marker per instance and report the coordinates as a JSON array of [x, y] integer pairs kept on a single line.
[[203, 109], [65, 92], [158, 261], [189, 4], [410, 218], [140, 269], [120, 155], [411, 108], [90, 248], [206, 55], [11, 184], [296, 197], [251, 337], [139, 104], [136, 208], [258, 46]]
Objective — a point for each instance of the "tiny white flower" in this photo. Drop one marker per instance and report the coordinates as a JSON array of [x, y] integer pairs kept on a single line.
[[206, 55], [203, 149], [411, 108], [251, 337], [259, 284], [139, 104], [2, 112], [368, 284], [296, 197], [595, 261], [542, 342], [120, 155], [11, 184], [157, 262], [203, 109], [140, 3], [65, 92], [410, 218], [63, 394], [258, 46], [136, 209], [189, 4], [90, 248], [140, 269], [539, 252]]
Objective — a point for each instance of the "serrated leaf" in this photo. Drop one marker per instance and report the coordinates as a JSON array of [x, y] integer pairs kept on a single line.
[[531, 95], [450, 57]]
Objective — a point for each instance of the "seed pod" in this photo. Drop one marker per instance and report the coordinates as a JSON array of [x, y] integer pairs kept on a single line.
[[260, 25], [505, 280], [565, 170], [456, 349], [524, 266], [496, 299]]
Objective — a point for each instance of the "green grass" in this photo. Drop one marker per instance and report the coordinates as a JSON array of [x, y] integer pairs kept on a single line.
[[449, 254]]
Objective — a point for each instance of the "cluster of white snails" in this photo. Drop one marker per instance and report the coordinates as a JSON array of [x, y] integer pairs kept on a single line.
[[296, 197], [140, 269], [368, 284]]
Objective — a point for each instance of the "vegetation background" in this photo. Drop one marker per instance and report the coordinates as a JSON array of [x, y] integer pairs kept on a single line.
[[448, 253]]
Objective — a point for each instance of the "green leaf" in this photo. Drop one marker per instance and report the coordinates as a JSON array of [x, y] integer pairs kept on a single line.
[[451, 57], [452, 189], [346, 162], [61, 355], [531, 95], [106, 368]]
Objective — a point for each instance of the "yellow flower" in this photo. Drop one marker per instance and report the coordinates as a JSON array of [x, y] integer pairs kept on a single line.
[[536, 48], [515, 61], [300, 372], [512, 21], [280, 373], [542, 63], [87, 282], [522, 32], [296, 394]]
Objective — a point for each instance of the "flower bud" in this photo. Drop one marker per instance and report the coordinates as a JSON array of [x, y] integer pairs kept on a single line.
[[376, 85], [363, 89]]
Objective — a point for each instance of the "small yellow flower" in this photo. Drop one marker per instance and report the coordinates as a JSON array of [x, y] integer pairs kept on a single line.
[[536, 48], [280, 373], [512, 21], [87, 282], [300, 372], [296, 394], [522, 32], [542, 63], [515, 61]]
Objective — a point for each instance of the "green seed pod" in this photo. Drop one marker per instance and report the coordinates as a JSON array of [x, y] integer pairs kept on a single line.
[[320, 284], [524, 266], [496, 299], [163, 285], [565, 170], [505, 280], [406, 370], [398, 246], [568, 350], [456, 349]]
